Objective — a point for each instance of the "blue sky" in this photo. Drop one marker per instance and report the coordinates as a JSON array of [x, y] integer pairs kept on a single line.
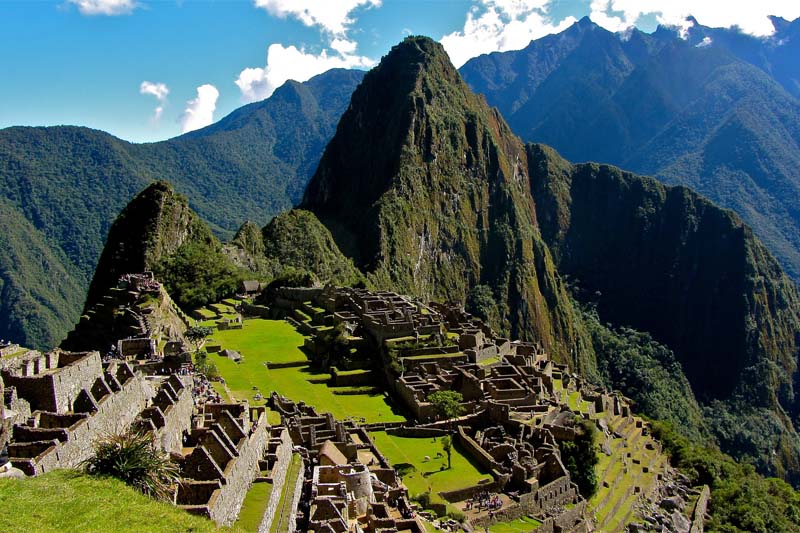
[[147, 70]]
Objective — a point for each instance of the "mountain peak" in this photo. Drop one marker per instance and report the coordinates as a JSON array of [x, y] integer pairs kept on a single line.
[[426, 188]]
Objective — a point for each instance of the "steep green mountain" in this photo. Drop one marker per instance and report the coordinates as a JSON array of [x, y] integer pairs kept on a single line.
[[427, 189], [34, 281], [297, 240], [717, 111], [667, 261], [158, 231], [65, 185]]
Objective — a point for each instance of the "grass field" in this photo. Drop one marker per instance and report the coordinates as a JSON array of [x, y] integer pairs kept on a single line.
[[277, 341], [255, 503], [428, 476], [66, 500]]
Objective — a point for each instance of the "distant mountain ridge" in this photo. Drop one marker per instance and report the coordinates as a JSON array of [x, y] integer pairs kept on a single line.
[[717, 111], [66, 184]]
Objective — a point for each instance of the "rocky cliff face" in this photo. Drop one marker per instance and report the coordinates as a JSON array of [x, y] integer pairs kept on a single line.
[[426, 188], [666, 260], [150, 229]]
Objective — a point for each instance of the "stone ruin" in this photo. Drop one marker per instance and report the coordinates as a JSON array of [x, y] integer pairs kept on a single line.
[[514, 415], [220, 459], [348, 482]]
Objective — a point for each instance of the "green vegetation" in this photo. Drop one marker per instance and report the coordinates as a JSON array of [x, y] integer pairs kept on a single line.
[[273, 341], [741, 499], [520, 525], [407, 455], [647, 372], [447, 446], [297, 241], [581, 456], [134, 458], [197, 335], [447, 403], [482, 303], [255, 503], [198, 274], [66, 500], [667, 261]]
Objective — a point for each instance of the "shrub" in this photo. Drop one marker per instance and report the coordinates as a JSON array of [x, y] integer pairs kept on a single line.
[[133, 458]]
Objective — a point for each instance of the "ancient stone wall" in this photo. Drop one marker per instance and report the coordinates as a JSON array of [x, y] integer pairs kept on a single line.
[[115, 414], [283, 457], [298, 490], [475, 451], [177, 418], [224, 509], [54, 389], [3, 422]]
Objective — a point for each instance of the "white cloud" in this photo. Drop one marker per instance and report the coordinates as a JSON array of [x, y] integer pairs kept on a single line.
[[705, 42], [333, 16], [105, 7], [290, 63], [199, 112], [750, 16], [500, 25], [160, 91]]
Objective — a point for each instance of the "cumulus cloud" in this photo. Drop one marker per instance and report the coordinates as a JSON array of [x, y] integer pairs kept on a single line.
[[751, 17], [199, 112], [292, 63], [105, 7], [333, 16], [160, 91], [500, 25]]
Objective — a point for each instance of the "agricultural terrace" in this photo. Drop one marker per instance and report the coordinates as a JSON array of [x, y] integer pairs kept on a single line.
[[263, 342]]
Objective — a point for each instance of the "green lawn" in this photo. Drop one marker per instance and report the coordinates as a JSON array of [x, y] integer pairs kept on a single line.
[[66, 500], [277, 341], [520, 525], [428, 476], [266, 340], [255, 503]]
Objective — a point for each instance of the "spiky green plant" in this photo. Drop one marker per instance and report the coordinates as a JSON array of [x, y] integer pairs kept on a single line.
[[134, 458]]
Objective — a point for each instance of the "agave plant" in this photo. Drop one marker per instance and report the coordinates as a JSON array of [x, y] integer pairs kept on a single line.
[[134, 458]]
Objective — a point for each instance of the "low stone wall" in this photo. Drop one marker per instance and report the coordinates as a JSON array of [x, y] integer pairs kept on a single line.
[[417, 432], [279, 471], [468, 492], [298, 490], [343, 379], [698, 517], [224, 509], [3, 423], [475, 451], [250, 310]]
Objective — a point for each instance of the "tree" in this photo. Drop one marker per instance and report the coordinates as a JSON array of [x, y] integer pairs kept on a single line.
[[447, 446], [197, 335], [447, 403], [580, 458]]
